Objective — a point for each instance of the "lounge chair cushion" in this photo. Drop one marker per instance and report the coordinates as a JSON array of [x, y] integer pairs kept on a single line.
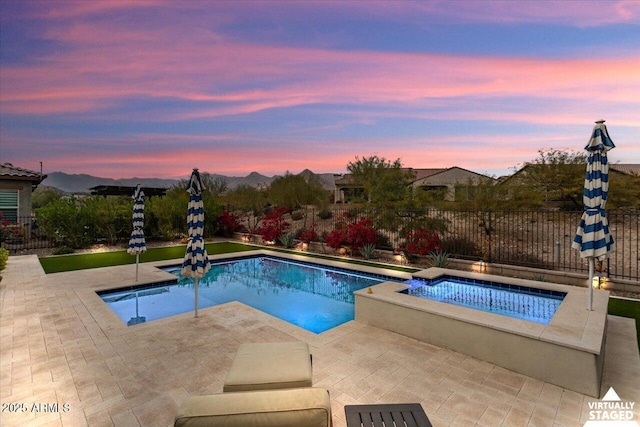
[[309, 407], [268, 366]]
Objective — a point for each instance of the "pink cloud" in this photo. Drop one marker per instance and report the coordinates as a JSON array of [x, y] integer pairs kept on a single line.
[[67, 82], [585, 13]]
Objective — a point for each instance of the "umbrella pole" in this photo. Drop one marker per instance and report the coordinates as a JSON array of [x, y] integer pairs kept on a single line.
[[591, 268], [137, 261], [195, 281]]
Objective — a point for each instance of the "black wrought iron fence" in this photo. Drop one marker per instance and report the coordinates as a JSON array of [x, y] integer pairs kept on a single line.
[[540, 239]]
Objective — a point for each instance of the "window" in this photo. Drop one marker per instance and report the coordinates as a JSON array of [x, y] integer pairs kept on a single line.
[[9, 205]]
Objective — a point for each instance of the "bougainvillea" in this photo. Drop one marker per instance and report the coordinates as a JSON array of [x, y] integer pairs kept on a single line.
[[229, 223], [422, 242], [361, 233], [353, 234], [336, 238], [308, 235], [273, 225]]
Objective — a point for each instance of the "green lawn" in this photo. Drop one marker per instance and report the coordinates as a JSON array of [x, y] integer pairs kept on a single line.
[[626, 308], [56, 264]]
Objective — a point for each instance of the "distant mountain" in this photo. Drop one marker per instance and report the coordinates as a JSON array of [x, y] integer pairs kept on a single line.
[[72, 183], [82, 183]]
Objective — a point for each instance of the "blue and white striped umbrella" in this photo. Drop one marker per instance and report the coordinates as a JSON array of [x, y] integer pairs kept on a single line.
[[593, 239], [196, 261], [137, 242]]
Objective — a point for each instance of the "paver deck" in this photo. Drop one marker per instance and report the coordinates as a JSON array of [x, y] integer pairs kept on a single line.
[[63, 350]]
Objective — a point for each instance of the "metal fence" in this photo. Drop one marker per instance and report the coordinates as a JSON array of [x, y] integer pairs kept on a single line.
[[540, 239]]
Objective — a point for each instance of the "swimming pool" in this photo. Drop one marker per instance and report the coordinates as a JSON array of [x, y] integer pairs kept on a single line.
[[532, 304], [314, 297]]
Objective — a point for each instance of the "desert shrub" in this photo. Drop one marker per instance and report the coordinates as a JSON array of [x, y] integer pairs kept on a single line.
[[522, 259], [63, 250], [383, 241], [367, 250], [439, 259], [460, 246], [325, 214], [297, 215], [287, 240]]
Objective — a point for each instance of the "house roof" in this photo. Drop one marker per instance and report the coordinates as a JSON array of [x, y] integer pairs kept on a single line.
[[122, 190], [626, 168], [629, 168], [10, 172], [418, 173]]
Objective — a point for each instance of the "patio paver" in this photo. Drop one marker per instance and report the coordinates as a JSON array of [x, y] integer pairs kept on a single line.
[[62, 348]]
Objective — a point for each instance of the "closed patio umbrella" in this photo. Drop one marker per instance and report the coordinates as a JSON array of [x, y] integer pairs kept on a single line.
[[593, 239], [137, 243], [196, 261]]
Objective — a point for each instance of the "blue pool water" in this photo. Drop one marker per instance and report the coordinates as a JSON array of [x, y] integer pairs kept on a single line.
[[308, 295], [533, 304]]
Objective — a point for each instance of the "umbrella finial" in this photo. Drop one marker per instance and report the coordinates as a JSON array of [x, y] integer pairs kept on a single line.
[[599, 122]]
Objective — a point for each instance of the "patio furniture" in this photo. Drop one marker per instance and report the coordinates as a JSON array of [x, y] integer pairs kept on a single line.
[[309, 407], [268, 366], [399, 415]]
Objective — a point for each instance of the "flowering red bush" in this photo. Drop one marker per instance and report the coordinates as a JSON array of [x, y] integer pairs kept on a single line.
[[273, 225], [353, 234], [336, 238], [422, 242], [308, 235], [229, 223], [361, 233]]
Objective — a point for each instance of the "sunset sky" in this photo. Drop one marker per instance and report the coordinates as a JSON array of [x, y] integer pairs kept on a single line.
[[154, 88]]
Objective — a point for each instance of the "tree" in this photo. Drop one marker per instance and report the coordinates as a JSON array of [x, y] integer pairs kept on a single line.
[[295, 191], [215, 186], [385, 182], [556, 175], [249, 201], [624, 191], [65, 223], [43, 195]]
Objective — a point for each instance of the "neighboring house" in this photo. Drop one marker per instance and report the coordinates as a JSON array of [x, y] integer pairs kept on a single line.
[[448, 183], [627, 169], [560, 177], [16, 186]]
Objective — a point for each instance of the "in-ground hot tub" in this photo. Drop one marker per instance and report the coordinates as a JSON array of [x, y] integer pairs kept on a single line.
[[568, 351]]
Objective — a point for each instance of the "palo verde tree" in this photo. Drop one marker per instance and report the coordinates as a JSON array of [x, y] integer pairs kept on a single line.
[[249, 202], [384, 182], [387, 189], [624, 191], [294, 191], [555, 175]]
